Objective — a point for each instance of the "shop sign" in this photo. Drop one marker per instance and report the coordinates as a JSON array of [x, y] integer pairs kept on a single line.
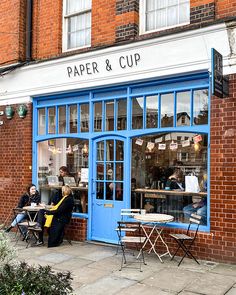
[[220, 84], [94, 67]]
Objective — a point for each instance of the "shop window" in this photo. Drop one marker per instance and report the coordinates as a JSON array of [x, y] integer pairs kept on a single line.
[[183, 108], [167, 110], [200, 107], [51, 120], [151, 111], [73, 118], [72, 153], [122, 114], [41, 122], [155, 159], [84, 117], [77, 24], [109, 117], [137, 112], [156, 15], [62, 119]]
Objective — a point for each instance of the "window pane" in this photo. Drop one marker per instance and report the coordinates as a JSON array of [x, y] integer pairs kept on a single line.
[[167, 110], [77, 6], [121, 114], [119, 150], [151, 111], [110, 150], [73, 119], [183, 108], [119, 171], [200, 107], [97, 116], [109, 107], [100, 151], [41, 122], [172, 157], [100, 171], [84, 117], [100, 190], [69, 152], [51, 120], [62, 119], [137, 113], [109, 171]]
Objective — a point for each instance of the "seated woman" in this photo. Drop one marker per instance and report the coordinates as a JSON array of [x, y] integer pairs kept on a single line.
[[60, 215], [30, 196]]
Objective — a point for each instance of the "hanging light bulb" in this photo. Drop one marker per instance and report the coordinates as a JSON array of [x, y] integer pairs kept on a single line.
[[196, 147]]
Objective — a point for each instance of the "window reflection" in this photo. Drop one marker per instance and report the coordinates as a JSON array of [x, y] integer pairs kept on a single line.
[[41, 121], [97, 116], [121, 114], [73, 118], [62, 119], [137, 113], [183, 108], [84, 117], [109, 106], [151, 111], [167, 110], [51, 120], [200, 107]]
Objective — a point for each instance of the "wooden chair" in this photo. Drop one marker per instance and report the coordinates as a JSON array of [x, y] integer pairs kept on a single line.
[[185, 241], [136, 238]]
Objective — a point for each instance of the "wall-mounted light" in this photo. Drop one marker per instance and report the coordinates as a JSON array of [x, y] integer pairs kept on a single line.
[[22, 111], [9, 111]]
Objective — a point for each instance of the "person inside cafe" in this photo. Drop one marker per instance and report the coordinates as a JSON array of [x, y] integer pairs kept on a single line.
[[199, 204], [56, 219], [56, 194], [175, 202], [30, 196]]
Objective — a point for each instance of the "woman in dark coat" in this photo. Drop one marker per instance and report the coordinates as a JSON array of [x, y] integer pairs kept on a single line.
[[30, 196], [61, 216]]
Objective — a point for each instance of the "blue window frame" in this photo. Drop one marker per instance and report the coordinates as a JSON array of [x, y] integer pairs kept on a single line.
[[148, 102]]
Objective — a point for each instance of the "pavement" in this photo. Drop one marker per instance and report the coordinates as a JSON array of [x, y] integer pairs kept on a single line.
[[95, 270]]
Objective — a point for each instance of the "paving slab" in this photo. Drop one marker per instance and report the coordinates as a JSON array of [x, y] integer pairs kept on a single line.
[[211, 284], [142, 289], [225, 269], [232, 291], [171, 280], [106, 285], [87, 275]]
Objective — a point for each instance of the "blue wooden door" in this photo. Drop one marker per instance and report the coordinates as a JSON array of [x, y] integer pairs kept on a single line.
[[108, 187]]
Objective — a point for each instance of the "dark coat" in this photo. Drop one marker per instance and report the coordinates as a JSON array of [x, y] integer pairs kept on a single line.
[[62, 216], [26, 199]]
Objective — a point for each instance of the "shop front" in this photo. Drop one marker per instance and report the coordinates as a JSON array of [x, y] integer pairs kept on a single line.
[[122, 145]]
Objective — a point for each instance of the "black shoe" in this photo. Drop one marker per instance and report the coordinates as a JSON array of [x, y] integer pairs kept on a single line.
[[8, 229]]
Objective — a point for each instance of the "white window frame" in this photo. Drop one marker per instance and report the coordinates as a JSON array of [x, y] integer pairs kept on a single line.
[[142, 20], [65, 18]]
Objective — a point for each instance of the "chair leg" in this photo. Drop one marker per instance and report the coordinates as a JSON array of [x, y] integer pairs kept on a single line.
[[187, 252], [176, 251], [123, 259]]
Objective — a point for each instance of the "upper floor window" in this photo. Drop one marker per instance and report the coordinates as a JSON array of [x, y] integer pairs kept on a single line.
[[156, 15], [77, 24]]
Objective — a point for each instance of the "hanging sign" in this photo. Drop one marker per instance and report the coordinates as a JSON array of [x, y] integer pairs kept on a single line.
[[150, 145], [173, 146], [197, 138], [185, 143], [161, 146], [139, 141]]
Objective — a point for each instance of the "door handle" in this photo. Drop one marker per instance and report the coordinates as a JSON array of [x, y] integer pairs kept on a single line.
[[99, 204]]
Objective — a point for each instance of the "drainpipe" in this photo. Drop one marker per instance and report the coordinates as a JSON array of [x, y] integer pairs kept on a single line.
[[29, 9]]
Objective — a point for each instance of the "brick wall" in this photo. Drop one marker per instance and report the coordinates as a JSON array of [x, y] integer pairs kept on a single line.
[[12, 32], [15, 160]]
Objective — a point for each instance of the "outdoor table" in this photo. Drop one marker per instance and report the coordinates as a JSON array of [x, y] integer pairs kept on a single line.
[[154, 220], [35, 210]]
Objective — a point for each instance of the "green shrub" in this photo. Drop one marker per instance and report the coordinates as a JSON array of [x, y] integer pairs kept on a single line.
[[7, 251], [18, 279]]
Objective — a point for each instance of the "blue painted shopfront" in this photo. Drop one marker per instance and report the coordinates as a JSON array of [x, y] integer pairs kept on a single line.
[[115, 123]]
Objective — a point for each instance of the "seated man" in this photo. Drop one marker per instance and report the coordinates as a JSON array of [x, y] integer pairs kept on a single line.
[[56, 218]]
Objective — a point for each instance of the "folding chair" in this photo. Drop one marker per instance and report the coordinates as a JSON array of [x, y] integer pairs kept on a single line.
[[125, 214], [185, 241], [136, 239]]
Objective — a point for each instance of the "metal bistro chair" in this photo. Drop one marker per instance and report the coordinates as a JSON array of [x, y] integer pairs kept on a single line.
[[136, 238], [125, 214], [185, 241]]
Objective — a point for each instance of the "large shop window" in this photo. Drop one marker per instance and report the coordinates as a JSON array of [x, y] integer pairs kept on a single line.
[[169, 174], [69, 152], [158, 15], [77, 24]]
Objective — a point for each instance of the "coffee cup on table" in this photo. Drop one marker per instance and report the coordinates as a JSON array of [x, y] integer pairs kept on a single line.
[[33, 204]]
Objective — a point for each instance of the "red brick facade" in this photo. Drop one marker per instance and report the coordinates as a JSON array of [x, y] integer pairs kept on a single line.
[[116, 22]]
